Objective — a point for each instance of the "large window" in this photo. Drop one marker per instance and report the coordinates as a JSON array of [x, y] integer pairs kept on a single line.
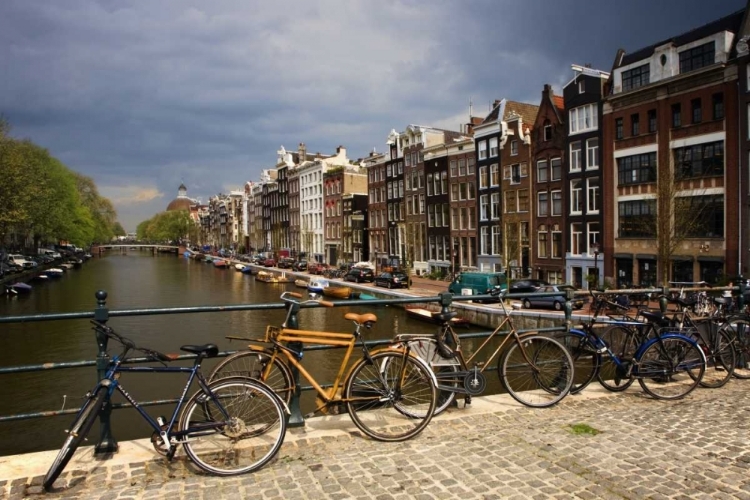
[[718, 106], [523, 200], [700, 160], [557, 247], [482, 150], [484, 240], [636, 77], [543, 204], [576, 197], [542, 169], [483, 178], [619, 134], [484, 207], [494, 174], [652, 120], [636, 169], [542, 237], [676, 115], [575, 156], [592, 195], [556, 202], [637, 218], [695, 106], [495, 202], [497, 240], [555, 169], [697, 57], [707, 219], [592, 154], [635, 124], [584, 119], [576, 238], [493, 147]]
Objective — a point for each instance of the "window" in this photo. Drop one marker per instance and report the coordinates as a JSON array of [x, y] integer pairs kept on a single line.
[[462, 166], [453, 168], [718, 106], [592, 228], [592, 195], [636, 169], [429, 185], [576, 238], [557, 249], [555, 169], [635, 124], [592, 154], [482, 150], [513, 148], [542, 170], [443, 183], [494, 175], [575, 156], [637, 218], [618, 128], [697, 57], [407, 159], [576, 197], [510, 201], [701, 160], [495, 205], [634, 78], [652, 120], [584, 119], [470, 167], [515, 174], [483, 178], [709, 216], [523, 200], [543, 204], [547, 132], [695, 105], [454, 192], [542, 236], [676, 115], [484, 207], [556, 202], [493, 147], [484, 240], [581, 86]]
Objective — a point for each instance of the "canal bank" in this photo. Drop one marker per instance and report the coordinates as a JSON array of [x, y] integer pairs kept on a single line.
[[593, 445]]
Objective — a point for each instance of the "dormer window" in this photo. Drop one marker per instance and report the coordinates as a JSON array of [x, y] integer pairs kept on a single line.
[[582, 86], [697, 57], [547, 131], [636, 77]]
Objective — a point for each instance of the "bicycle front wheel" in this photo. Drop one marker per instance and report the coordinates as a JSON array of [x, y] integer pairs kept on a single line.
[[392, 397], [670, 368], [622, 345], [445, 369], [237, 428], [721, 358], [585, 359], [255, 364], [76, 434], [537, 371]]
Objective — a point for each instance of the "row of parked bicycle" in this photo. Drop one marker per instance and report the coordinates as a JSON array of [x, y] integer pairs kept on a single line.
[[236, 421]]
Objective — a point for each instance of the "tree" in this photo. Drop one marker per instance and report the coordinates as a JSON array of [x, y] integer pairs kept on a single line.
[[174, 225], [118, 230]]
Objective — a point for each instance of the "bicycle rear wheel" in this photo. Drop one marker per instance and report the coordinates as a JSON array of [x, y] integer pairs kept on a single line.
[[391, 398], [246, 439], [444, 369], [545, 380], [622, 343], [76, 434], [670, 368], [721, 358], [739, 330], [585, 359], [254, 364]]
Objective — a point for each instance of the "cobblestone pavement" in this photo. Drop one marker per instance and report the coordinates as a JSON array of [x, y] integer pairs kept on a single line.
[[628, 446]]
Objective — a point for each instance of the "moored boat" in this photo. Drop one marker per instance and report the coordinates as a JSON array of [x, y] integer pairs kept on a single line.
[[67, 265], [317, 285], [246, 270], [337, 292], [430, 316], [239, 267], [300, 283], [267, 277], [20, 287], [54, 272], [221, 263]]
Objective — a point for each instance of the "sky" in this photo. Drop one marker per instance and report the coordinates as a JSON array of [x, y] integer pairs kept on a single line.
[[143, 95]]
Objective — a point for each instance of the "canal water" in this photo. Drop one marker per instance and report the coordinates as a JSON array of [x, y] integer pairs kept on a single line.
[[138, 279]]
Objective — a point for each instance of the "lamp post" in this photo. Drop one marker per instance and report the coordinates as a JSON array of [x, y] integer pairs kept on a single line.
[[595, 248]]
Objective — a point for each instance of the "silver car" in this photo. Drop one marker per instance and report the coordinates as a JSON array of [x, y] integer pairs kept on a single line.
[[556, 302]]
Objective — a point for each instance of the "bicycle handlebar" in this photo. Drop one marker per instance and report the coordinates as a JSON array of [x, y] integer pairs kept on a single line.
[[129, 344], [601, 299], [290, 297]]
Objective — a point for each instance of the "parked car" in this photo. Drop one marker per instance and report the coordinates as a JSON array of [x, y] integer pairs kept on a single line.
[[269, 262], [392, 280], [285, 263], [556, 302], [300, 266], [316, 268], [478, 284], [360, 274], [526, 286], [20, 260]]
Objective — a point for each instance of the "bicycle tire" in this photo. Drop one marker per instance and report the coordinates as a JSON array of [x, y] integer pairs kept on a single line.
[[721, 359], [543, 383], [739, 330], [585, 359], [372, 389], [670, 368], [252, 364], [426, 350], [76, 434], [256, 434], [622, 343]]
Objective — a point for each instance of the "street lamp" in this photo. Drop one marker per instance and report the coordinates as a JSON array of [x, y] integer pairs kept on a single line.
[[595, 248]]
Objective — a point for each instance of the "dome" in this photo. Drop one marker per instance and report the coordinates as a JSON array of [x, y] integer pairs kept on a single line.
[[182, 202]]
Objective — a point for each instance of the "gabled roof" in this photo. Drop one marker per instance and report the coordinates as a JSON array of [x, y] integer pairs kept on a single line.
[[732, 23], [559, 102], [527, 112]]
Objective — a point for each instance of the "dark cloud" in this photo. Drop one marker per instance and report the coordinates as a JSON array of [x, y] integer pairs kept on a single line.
[[144, 95]]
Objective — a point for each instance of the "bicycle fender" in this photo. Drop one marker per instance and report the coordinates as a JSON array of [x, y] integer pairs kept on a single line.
[[651, 342], [578, 332]]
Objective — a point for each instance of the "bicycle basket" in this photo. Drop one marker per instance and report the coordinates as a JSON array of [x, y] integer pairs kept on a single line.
[[272, 332]]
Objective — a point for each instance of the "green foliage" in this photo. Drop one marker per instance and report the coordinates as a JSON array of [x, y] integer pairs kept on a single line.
[[580, 429], [42, 199], [167, 226]]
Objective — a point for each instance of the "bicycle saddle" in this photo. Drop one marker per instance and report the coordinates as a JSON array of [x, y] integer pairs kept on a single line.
[[205, 350], [655, 317]]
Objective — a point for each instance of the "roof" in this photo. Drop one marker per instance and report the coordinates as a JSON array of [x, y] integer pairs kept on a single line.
[[180, 203], [527, 112], [559, 102], [732, 23]]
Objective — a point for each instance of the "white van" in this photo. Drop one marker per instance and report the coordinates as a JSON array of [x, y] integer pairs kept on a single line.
[[52, 253], [19, 260]]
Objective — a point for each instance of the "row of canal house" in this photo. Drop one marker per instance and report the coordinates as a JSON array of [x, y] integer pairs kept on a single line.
[[566, 190]]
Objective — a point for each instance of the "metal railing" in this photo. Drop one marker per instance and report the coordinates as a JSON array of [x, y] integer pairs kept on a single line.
[[101, 312]]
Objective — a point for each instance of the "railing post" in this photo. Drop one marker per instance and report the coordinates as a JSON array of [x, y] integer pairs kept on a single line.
[[296, 419], [107, 443], [663, 301], [569, 296], [742, 288], [446, 299]]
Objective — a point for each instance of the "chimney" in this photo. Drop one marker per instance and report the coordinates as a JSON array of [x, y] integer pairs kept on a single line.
[[302, 152], [341, 151]]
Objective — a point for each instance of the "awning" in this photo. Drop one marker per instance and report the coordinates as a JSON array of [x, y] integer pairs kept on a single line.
[[624, 256], [710, 259], [645, 256], [682, 258]]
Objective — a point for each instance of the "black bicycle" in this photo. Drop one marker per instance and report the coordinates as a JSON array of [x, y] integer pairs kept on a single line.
[[230, 426]]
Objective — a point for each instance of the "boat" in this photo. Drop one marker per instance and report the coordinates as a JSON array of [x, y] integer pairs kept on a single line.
[[301, 283], [247, 270], [239, 267], [429, 316], [367, 296], [267, 277], [317, 285], [67, 265], [221, 263], [54, 272], [338, 292], [208, 258], [20, 287], [199, 256]]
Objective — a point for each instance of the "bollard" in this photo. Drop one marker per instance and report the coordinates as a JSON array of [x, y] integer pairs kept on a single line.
[[107, 443], [663, 302], [296, 419]]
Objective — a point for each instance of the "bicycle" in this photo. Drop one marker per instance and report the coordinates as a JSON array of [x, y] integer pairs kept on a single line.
[[230, 426], [535, 370], [384, 379], [666, 363]]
